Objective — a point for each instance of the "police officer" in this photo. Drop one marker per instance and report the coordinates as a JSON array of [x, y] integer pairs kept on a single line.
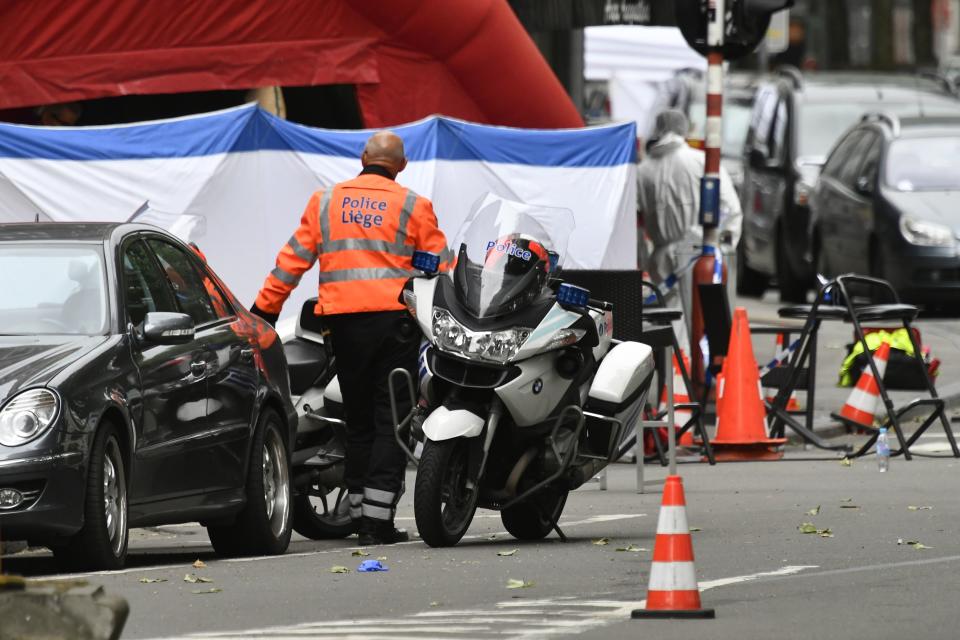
[[364, 232]]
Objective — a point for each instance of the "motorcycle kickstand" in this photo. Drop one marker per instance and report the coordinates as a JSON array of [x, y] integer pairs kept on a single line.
[[556, 527]]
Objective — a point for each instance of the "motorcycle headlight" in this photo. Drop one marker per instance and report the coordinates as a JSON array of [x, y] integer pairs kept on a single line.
[[27, 415], [495, 346], [924, 233]]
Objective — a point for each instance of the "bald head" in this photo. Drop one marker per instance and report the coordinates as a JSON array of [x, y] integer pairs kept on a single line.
[[385, 148]]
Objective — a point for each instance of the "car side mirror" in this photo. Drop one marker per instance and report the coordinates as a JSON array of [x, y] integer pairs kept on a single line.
[[162, 327], [864, 186]]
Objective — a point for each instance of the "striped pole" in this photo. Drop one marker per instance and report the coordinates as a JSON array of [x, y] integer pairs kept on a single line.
[[709, 268], [673, 590]]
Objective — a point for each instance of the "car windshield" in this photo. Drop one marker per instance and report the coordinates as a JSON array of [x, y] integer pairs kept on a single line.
[[822, 124], [924, 164], [52, 290], [505, 252]]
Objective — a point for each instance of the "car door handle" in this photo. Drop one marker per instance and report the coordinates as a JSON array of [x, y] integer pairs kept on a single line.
[[198, 368], [246, 353]]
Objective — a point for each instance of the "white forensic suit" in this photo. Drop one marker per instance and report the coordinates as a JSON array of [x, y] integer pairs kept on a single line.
[[668, 193]]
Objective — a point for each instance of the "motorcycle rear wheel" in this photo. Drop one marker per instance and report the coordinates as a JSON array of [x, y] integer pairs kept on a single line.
[[442, 503], [317, 518], [533, 519]]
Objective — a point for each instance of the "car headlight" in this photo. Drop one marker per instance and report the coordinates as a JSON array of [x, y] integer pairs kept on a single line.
[[27, 415], [495, 346], [924, 233]]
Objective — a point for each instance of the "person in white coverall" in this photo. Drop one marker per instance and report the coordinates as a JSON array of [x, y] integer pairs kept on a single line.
[[668, 194]]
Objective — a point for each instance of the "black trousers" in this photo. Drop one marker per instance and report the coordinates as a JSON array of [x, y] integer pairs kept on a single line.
[[368, 346]]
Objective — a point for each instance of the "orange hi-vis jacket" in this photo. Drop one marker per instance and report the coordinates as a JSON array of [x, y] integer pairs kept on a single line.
[[363, 232]]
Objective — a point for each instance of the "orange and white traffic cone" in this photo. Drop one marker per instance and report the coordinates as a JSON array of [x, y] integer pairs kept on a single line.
[[741, 418], [861, 407], [673, 590], [770, 393], [680, 396]]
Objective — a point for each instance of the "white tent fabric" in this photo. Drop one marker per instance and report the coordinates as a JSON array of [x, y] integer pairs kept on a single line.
[[636, 61], [236, 181]]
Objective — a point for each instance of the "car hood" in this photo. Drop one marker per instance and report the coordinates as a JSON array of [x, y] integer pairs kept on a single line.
[[27, 361], [933, 206]]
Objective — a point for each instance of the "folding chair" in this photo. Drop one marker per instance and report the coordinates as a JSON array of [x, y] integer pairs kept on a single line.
[[663, 318], [855, 299], [849, 286]]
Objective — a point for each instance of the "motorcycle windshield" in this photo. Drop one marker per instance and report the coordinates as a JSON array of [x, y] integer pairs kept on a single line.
[[506, 251]]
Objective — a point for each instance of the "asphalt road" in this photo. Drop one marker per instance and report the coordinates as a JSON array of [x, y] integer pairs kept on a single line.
[[762, 575]]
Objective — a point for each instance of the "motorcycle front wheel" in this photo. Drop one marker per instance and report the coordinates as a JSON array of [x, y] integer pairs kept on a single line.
[[534, 518], [445, 498]]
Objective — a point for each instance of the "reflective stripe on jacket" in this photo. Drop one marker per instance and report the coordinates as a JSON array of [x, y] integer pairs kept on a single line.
[[363, 232]]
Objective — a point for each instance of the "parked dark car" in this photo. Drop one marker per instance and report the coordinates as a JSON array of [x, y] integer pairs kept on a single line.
[[886, 205], [135, 390], [796, 120]]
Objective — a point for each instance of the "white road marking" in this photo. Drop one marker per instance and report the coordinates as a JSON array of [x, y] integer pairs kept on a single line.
[[518, 619], [163, 567], [785, 571]]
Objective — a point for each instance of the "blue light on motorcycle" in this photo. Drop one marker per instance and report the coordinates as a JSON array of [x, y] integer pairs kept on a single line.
[[554, 260], [572, 296], [426, 261]]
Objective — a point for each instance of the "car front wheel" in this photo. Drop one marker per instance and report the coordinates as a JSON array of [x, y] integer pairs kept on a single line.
[[264, 525], [102, 542]]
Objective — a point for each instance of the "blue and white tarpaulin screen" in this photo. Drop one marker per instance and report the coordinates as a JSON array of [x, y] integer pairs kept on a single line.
[[236, 181]]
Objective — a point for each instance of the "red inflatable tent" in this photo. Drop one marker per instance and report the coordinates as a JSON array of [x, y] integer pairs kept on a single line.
[[469, 59]]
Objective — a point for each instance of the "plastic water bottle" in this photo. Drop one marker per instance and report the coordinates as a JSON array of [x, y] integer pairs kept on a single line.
[[883, 451]]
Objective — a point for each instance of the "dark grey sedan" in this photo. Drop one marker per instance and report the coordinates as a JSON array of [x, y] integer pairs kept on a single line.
[[135, 390], [886, 205]]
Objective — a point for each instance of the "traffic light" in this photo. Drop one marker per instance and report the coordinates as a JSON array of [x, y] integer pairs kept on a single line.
[[745, 24]]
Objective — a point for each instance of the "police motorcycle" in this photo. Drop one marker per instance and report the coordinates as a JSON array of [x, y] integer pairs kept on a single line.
[[524, 395], [320, 504]]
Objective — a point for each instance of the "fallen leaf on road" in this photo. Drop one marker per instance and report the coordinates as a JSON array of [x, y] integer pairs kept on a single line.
[[360, 553], [846, 499], [915, 508], [434, 604], [809, 527], [339, 569], [199, 564], [630, 547], [513, 583], [814, 511], [601, 542], [507, 553], [152, 580], [210, 590], [846, 462], [194, 579], [695, 529], [381, 558], [916, 544]]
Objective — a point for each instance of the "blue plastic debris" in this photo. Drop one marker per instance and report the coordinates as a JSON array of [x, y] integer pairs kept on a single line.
[[372, 565]]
